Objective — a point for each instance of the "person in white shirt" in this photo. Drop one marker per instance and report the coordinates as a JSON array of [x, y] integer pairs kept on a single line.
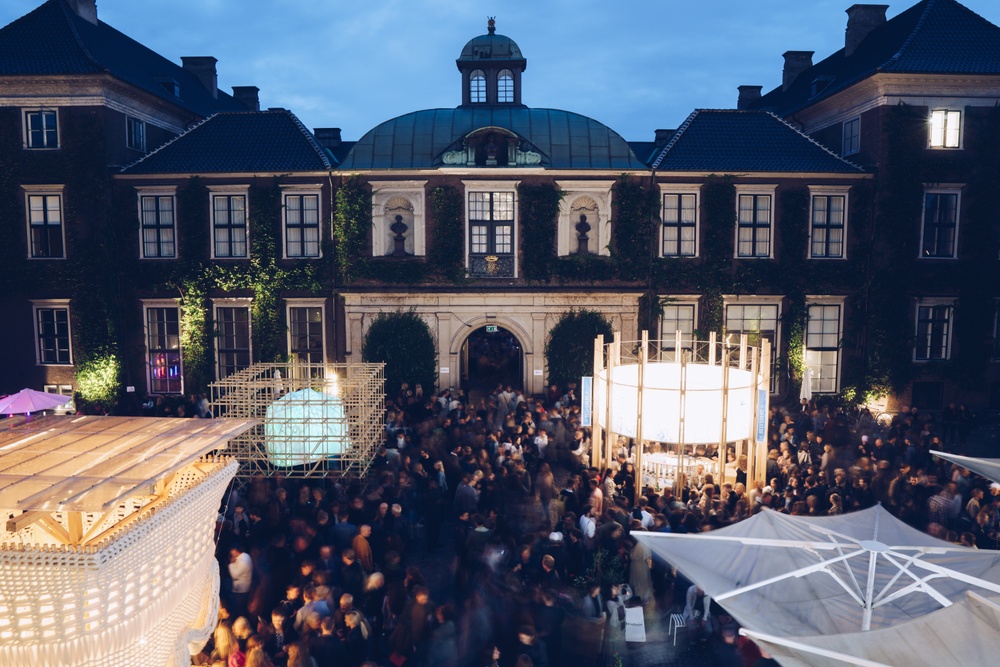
[[241, 573]]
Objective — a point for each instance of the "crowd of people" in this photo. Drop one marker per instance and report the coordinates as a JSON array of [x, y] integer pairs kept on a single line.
[[484, 537]]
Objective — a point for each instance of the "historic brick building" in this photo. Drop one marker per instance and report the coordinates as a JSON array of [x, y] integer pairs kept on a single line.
[[791, 218]]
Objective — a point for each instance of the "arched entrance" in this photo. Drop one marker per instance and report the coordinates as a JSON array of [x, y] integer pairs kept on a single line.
[[491, 355]]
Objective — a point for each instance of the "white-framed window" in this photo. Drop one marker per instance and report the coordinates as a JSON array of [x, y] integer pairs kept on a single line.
[[824, 331], [828, 222], [678, 313], [301, 216], [584, 201], [505, 86], [135, 134], [403, 200], [46, 232], [477, 86], [760, 318], [939, 228], [754, 221], [157, 223], [62, 390], [935, 318], [41, 128], [679, 230], [491, 244], [232, 336], [946, 128], [165, 371], [852, 136], [306, 330], [230, 234], [53, 339]]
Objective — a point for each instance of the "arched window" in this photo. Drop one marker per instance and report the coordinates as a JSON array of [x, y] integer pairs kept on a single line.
[[477, 86], [505, 86]]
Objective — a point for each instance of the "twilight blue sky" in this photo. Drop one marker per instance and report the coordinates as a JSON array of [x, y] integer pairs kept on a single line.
[[635, 65]]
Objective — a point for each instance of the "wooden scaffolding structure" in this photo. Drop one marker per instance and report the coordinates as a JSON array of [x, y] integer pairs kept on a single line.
[[295, 400]]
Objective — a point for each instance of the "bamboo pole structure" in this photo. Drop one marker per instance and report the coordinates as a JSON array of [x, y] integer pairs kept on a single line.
[[596, 433], [643, 346]]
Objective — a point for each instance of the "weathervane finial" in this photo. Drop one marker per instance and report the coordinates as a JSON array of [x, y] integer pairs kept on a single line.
[[491, 24]]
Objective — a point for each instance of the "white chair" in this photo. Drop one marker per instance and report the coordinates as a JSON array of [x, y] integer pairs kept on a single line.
[[676, 622]]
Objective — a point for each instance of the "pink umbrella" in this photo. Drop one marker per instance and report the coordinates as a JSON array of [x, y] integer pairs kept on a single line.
[[27, 401]]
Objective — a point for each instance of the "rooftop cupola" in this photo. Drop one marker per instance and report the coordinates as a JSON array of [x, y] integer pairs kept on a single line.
[[491, 67]]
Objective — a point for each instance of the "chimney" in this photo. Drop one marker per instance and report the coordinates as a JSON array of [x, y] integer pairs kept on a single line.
[[796, 62], [248, 96], [861, 20], [203, 67], [327, 137], [85, 9], [749, 96], [663, 136]]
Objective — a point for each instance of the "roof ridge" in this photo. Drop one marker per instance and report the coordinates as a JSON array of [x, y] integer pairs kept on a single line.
[[76, 35], [673, 140], [172, 141], [312, 140], [909, 38], [811, 140]]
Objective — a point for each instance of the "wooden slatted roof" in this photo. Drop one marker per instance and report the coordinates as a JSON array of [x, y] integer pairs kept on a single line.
[[89, 464]]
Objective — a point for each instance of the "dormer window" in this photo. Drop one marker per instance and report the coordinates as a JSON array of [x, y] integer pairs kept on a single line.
[[505, 87], [477, 87]]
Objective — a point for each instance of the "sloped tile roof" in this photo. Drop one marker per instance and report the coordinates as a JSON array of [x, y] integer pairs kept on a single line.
[[932, 37], [53, 40], [272, 141], [565, 140], [745, 141]]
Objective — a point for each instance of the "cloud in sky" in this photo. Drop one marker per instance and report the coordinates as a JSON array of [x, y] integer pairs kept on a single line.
[[634, 65]]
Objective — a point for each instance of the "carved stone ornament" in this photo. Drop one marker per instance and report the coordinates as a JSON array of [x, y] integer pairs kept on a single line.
[[528, 157], [454, 157]]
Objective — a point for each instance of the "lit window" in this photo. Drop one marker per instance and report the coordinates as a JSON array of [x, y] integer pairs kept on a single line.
[[822, 347], [158, 231], [754, 226], [477, 87], [229, 225], [940, 228], [827, 228], [232, 339], [491, 234], [505, 86], [135, 134], [302, 225], [45, 226], [305, 334], [52, 333], [933, 339], [41, 129], [946, 127], [760, 321], [163, 349], [679, 225], [852, 136]]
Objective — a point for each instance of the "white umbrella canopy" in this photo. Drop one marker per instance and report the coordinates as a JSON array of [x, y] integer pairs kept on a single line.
[[966, 633], [988, 468], [803, 576], [28, 400]]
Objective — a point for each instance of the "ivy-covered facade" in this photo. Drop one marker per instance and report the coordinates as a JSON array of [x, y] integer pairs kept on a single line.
[[823, 216]]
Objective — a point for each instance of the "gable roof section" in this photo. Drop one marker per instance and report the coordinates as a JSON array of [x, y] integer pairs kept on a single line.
[[565, 140], [932, 37], [54, 40], [272, 141], [745, 141]]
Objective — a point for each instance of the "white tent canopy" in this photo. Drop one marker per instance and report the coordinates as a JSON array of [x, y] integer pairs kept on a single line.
[[804, 576], [966, 633], [988, 468]]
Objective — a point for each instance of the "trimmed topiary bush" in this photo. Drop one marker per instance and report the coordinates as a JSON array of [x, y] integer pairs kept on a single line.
[[403, 341], [569, 351]]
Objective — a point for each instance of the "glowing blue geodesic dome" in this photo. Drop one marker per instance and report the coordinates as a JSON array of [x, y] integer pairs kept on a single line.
[[304, 427]]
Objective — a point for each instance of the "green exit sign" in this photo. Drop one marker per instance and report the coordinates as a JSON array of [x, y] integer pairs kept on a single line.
[[491, 328]]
